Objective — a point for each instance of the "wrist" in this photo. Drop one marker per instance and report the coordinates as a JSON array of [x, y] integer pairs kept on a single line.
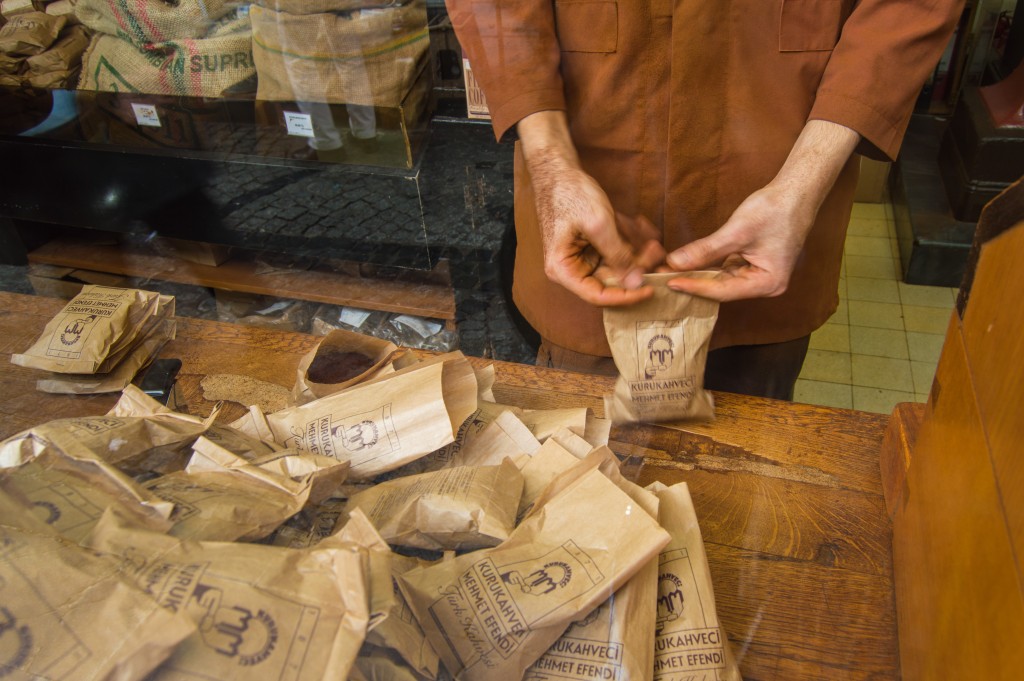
[[546, 142]]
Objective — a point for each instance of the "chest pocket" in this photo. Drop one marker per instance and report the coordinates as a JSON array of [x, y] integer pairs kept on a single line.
[[587, 25], [809, 25]]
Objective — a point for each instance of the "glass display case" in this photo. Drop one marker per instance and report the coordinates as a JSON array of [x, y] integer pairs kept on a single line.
[[287, 185]]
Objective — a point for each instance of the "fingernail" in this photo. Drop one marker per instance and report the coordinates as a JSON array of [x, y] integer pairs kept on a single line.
[[677, 260], [633, 279]]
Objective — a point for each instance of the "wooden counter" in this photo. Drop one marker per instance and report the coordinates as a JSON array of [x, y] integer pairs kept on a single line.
[[789, 496]]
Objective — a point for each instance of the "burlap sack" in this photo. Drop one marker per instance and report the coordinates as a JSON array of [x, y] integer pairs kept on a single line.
[[65, 613], [30, 33], [491, 614], [321, 6], [196, 67], [365, 58], [660, 347], [263, 612], [152, 21]]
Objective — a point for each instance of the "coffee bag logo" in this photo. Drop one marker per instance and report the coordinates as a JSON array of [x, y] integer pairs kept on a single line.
[[76, 327], [670, 600], [15, 643], [553, 575], [233, 630], [660, 353], [50, 509], [358, 436]]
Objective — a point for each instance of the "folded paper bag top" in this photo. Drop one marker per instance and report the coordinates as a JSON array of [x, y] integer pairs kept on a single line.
[[660, 347]]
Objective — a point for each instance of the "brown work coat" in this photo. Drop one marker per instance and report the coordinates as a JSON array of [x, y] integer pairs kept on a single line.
[[682, 109]]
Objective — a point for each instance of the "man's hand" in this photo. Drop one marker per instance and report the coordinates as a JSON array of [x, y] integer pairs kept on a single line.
[[759, 244], [588, 249]]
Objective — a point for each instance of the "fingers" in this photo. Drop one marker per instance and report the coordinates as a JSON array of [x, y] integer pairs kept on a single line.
[[706, 252], [734, 283]]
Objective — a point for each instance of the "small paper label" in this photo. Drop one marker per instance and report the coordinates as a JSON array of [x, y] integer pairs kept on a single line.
[[423, 327], [298, 124], [353, 316], [145, 114]]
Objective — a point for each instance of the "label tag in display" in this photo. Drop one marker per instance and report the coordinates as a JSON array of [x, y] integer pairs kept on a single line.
[[298, 124], [145, 114]]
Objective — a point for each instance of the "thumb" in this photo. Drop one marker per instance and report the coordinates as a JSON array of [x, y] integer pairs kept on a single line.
[[706, 252]]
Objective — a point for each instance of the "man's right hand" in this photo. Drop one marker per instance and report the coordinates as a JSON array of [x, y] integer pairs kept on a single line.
[[588, 249]]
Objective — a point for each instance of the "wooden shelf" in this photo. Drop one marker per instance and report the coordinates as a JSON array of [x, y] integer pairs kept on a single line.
[[246, 274]]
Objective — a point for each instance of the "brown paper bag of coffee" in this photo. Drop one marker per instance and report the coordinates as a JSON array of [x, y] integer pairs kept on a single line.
[[505, 436], [377, 664], [543, 422], [448, 456], [615, 640], [342, 359], [540, 469], [135, 444], [71, 495], [690, 640], [118, 378], [95, 330], [660, 348], [456, 509], [30, 33], [309, 526], [10, 65], [358, 530], [491, 614], [390, 421], [400, 631], [222, 497], [66, 614], [262, 612], [325, 474]]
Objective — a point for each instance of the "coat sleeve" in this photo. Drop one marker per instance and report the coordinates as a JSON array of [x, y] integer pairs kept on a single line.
[[885, 52], [513, 48]]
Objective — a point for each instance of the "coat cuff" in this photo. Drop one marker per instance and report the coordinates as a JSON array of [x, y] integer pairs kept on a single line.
[[880, 136], [504, 116]]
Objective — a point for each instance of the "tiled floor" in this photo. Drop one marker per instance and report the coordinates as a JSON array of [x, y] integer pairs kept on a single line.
[[882, 344]]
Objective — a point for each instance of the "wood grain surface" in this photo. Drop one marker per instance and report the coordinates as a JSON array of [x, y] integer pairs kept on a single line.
[[789, 496]]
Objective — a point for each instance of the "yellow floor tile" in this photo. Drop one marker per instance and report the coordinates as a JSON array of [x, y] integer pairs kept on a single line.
[[834, 337], [881, 372], [868, 227], [875, 315], [871, 211], [878, 400], [875, 290], [924, 373], [926, 296], [922, 397], [878, 247], [870, 267], [926, 319], [878, 342], [924, 347], [842, 313], [825, 365], [825, 394]]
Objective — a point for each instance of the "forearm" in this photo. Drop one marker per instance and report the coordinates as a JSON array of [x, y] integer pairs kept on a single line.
[[818, 156]]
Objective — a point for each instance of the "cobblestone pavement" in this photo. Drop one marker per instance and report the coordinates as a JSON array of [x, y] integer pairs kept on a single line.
[[457, 206]]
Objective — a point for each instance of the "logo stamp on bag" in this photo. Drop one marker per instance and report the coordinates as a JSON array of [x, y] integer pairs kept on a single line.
[[15, 643]]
